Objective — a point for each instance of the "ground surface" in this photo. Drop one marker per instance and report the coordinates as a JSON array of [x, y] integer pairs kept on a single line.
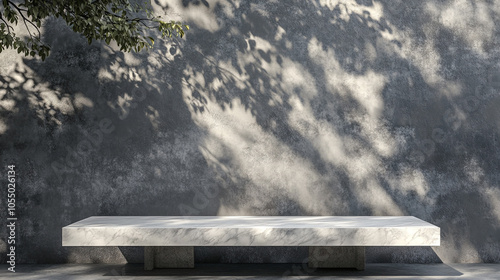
[[251, 271]]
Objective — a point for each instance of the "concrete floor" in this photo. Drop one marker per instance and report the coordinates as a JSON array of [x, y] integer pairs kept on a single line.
[[251, 271]]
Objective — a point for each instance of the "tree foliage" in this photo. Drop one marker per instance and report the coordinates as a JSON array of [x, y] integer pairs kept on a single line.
[[126, 22]]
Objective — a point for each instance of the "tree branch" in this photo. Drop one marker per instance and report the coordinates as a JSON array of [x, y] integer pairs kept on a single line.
[[20, 11], [6, 24]]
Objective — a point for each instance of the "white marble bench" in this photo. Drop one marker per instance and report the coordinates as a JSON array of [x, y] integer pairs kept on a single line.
[[333, 241]]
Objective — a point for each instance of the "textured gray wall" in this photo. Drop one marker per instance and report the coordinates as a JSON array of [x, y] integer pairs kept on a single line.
[[265, 108]]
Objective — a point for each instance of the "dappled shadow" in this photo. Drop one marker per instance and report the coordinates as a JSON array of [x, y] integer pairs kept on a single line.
[[88, 137], [363, 108], [288, 108]]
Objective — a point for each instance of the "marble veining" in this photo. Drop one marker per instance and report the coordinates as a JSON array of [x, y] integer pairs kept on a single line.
[[251, 231]]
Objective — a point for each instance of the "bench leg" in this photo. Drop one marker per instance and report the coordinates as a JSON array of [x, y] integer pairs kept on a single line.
[[168, 257], [337, 257]]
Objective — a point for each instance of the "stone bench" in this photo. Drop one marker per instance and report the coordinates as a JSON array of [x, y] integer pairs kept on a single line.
[[333, 241]]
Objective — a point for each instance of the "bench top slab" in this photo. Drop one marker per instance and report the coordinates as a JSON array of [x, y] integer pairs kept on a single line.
[[251, 231]]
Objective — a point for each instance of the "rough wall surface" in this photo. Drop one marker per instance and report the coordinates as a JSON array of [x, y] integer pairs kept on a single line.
[[265, 108]]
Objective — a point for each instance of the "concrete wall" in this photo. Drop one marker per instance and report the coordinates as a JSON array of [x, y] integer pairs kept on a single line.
[[265, 108]]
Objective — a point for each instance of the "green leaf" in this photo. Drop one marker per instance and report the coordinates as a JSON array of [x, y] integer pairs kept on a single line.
[[92, 19]]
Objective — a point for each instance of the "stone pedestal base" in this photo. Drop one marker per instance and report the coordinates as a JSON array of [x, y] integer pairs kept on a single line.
[[337, 257], [168, 257]]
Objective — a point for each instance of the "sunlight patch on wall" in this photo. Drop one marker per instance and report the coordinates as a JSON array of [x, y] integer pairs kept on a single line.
[[272, 169], [54, 100], [8, 104], [279, 33], [104, 74], [377, 134], [80, 101], [324, 138], [298, 81], [131, 59], [412, 180], [470, 20], [365, 89], [424, 53], [492, 195], [47, 101], [347, 7], [361, 164], [379, 201], [426, 58], [200, 14]]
